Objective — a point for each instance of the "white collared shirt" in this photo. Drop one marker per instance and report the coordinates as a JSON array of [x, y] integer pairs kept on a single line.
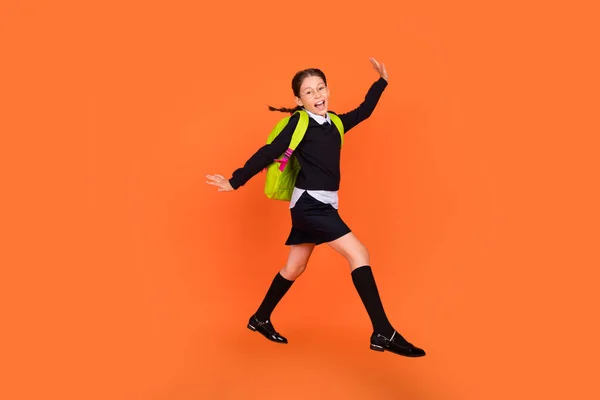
[[324, 196], [319, 118]]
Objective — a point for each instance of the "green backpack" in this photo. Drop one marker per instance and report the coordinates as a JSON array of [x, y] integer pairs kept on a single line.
[[282, 173]]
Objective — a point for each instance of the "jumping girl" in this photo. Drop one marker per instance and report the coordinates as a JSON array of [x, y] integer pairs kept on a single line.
[[314, 204]]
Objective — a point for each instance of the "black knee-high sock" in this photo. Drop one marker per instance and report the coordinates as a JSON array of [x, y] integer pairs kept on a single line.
[[367, 290], [277, 290]]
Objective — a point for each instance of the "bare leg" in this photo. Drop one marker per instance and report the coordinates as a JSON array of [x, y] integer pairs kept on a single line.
[[297, 261], [352, 249]]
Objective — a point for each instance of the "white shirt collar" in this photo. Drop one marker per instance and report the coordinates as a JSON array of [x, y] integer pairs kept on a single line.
[[320, 119]]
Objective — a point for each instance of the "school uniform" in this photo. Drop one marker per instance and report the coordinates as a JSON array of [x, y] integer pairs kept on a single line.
[[315, 218], [314, 202]]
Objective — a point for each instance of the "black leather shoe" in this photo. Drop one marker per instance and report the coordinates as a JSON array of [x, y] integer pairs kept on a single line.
[[266, 329], [396, 344]]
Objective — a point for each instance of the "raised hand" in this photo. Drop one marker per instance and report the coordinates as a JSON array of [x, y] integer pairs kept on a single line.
[[219, 181], [380, 68]]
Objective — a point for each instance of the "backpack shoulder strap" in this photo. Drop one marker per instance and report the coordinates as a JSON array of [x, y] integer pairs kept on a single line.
[[300, 129], [340, 126], [297, 137]]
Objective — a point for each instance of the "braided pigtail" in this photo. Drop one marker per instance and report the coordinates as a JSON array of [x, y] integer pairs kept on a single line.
[[286, 110]]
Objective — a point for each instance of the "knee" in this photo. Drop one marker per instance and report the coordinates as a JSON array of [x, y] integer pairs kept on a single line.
[[292, 272], [360, 256]]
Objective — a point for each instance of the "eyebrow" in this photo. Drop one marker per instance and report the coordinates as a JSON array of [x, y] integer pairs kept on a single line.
[[306, 88]]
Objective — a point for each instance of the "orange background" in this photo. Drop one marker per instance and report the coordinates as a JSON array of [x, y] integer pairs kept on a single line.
[[474, 185]]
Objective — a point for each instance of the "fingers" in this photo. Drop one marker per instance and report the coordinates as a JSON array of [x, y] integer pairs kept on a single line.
[[216, 177], [219, 181], [215, 180], [222, 187], [375, 63], [380, 68]]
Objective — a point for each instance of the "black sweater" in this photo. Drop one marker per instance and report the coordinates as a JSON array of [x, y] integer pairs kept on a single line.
[[319, 151]]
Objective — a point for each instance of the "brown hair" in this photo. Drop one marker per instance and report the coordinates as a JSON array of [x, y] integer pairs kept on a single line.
[[297, 84]]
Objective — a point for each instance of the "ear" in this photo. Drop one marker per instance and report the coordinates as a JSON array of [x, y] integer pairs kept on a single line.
[[299, 102]]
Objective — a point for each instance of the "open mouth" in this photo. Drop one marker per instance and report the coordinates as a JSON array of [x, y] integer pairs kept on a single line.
[[320, 105]]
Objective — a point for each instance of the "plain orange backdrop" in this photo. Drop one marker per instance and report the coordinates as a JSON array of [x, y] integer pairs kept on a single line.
[[474, 185]]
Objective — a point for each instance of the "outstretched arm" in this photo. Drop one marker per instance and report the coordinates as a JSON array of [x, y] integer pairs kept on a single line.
[[365, 109], [260, 160]]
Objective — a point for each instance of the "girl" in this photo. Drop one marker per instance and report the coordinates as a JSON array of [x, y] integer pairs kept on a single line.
[[314, 204]]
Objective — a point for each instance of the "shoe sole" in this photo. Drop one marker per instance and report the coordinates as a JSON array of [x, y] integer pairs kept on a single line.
[[375, 347], [253, 329]]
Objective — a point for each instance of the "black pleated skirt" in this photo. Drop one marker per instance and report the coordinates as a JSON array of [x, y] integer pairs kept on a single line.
[[315, 222]]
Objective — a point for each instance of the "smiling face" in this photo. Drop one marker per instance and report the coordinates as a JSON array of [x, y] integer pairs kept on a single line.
[[314, 95]]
